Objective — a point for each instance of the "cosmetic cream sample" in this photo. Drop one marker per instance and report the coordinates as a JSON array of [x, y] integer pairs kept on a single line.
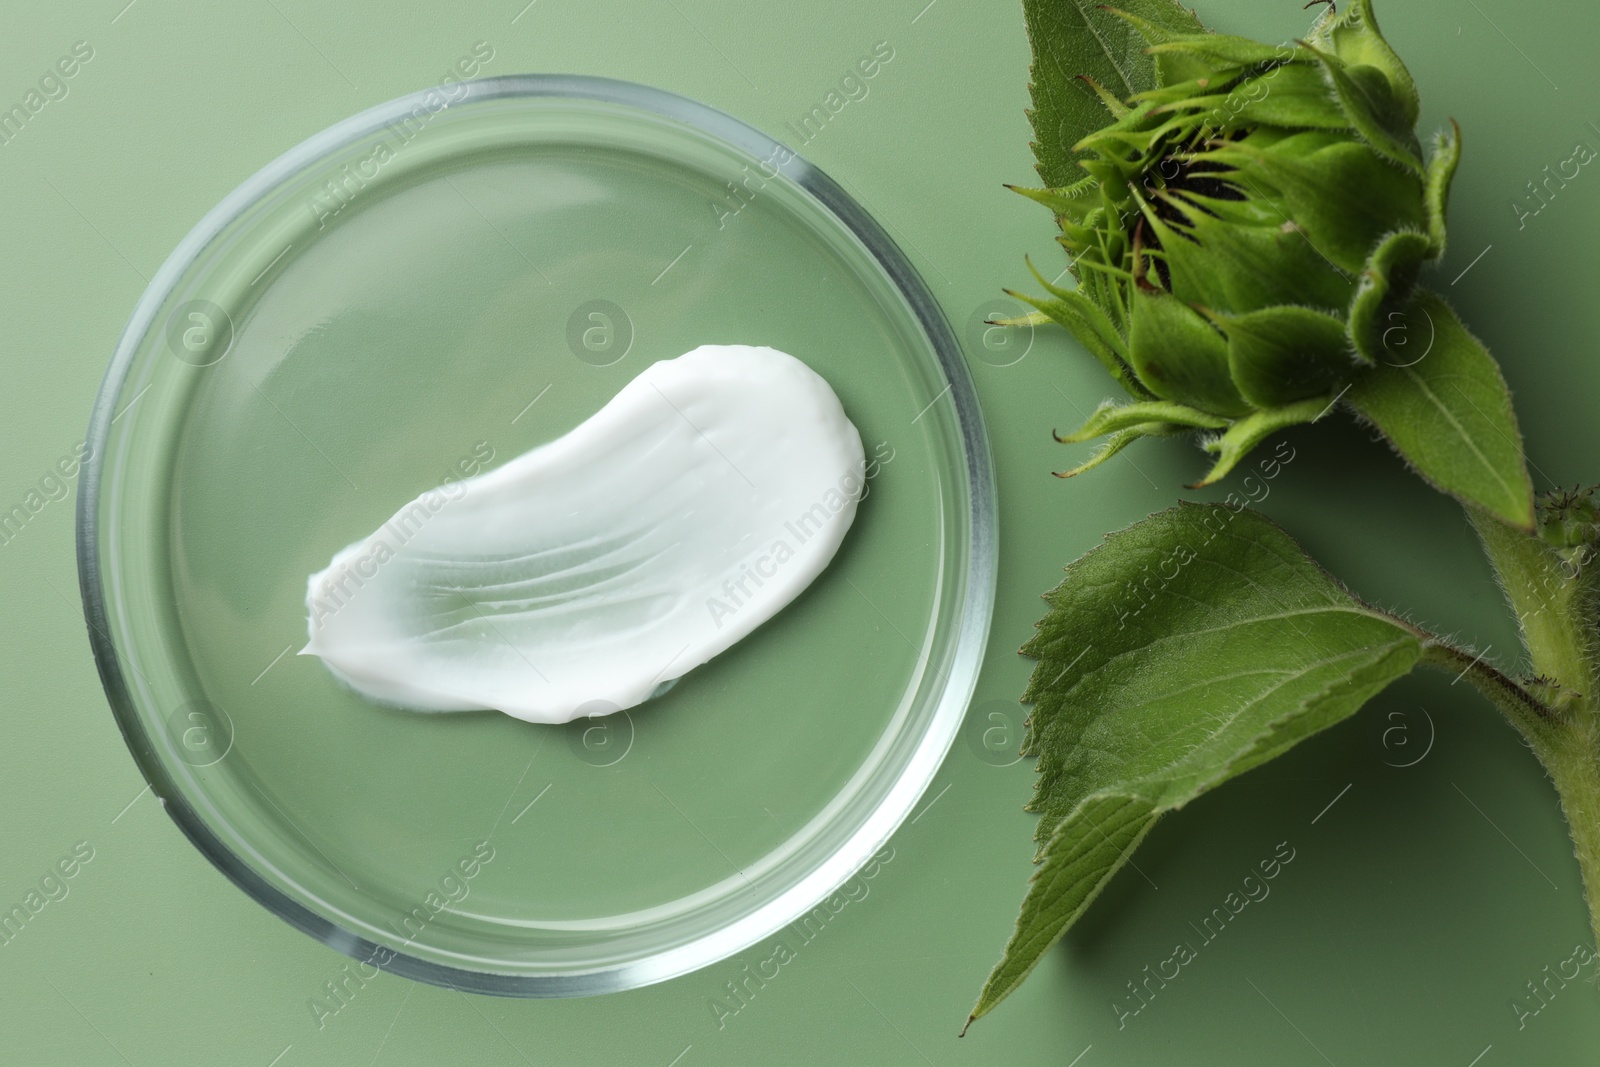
[[583, 575]]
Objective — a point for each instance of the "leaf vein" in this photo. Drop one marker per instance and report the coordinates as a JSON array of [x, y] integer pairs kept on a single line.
[[1455, 424]]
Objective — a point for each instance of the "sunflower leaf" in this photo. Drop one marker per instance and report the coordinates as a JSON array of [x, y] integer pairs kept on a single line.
[[1448, 412], [1242, 648]]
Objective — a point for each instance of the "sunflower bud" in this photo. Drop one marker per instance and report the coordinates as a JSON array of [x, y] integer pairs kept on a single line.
[[1245, 229]]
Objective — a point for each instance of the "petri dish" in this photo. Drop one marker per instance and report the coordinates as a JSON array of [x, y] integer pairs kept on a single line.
[[430, 288]]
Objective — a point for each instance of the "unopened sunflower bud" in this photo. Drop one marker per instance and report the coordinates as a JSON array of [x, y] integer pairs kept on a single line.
[[1243, 231]]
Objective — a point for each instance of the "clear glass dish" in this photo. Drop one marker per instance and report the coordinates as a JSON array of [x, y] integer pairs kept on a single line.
[[455, 276]]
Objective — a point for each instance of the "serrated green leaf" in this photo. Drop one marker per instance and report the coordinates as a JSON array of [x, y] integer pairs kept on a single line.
[[1148, 693], [1448, 413], [1073, 37], [1064, 885]]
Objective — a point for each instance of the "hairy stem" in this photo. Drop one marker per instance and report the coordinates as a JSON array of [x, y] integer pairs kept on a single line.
[[1572, 757], [1553, 593], [1553, 596], [1527, 712]]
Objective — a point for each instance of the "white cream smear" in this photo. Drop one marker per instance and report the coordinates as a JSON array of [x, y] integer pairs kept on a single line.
[[585, 574]]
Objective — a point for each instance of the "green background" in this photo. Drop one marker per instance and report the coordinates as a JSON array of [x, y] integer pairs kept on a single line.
[[1417, 906]]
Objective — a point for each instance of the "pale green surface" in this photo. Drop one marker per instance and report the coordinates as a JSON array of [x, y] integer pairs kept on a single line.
[[1399, 934]]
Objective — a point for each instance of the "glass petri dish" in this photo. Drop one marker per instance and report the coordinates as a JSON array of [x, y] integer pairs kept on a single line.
[[433, 287]]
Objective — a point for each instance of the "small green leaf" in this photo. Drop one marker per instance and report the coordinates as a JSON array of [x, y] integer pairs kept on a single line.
[[1093, 330], [1293, 96], [1369, 100], [1117, 442], [1110, 417], [1229, 267], [1441, 169], [1118, 109], [1338, 192], [1256, 427], [1163, 96], [1223, 50], [1353, 36], [1448, 413], [1073, 37], [1183, 651], [1181, 356], [1282, 354], [1074, 202], [1384, 292], [1174, 65], [1032, 318]]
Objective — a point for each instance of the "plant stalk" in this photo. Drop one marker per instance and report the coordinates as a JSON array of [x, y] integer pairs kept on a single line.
[[1572, 758], [1555, 593]]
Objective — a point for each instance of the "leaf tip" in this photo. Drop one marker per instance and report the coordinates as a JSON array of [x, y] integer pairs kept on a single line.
[[1526, 522]]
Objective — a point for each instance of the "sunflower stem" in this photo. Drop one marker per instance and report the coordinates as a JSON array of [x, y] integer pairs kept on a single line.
[[1553, 593]]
